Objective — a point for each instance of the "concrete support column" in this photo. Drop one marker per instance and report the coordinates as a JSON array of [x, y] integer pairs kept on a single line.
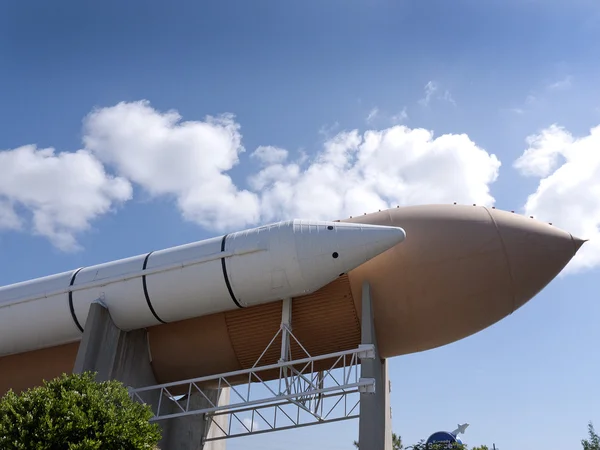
[[118, 355], [375, 430], [113, 353], [189, 432]]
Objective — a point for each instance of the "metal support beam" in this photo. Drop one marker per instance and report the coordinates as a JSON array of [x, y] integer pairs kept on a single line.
[[375, 431], [299, 397], [304, 394], [286, 329]]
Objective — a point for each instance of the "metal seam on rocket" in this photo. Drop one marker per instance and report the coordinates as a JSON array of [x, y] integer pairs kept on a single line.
[[225, 276], [71, 307], [508, 265], [145, 287]]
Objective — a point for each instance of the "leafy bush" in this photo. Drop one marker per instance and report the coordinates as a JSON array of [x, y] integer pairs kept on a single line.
[[74, 412], [594, 440]]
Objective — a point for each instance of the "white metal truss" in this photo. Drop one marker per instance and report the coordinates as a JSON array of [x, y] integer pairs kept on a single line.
[[303, 394]]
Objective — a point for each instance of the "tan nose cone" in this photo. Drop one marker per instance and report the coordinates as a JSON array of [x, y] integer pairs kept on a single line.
[[578, 242], [536, 252], [460, 270]]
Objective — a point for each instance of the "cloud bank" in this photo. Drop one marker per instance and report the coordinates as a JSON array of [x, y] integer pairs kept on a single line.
[[187, 161], [61, 192], [133, 144], [356, 173], [59, 195], [568, 192]]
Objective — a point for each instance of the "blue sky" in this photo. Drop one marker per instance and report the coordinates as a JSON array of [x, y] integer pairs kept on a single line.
[[297, 76]]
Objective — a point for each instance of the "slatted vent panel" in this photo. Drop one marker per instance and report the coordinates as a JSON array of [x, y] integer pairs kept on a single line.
[[324, 322]]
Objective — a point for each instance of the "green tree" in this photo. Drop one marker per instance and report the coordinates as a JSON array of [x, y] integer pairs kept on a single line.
[[594, 441], [74, 412], [397, 445], [418, 446], [396, 442]]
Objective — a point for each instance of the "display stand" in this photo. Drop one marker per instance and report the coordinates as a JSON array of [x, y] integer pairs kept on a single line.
[[308, 391]]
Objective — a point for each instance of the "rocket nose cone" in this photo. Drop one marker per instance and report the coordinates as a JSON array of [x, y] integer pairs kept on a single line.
[[363, 242], [326, 250], [578, 242], [535, 252]]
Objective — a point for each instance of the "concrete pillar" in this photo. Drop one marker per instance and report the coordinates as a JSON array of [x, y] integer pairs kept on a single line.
[[116, 355], [375, 431], [124, 356], [188, 432], [113, 353], [387, 407]]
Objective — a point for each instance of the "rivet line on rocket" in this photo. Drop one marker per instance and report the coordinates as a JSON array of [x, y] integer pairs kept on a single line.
[[511, 275], [145, 286], [225, 276], [71, 307]]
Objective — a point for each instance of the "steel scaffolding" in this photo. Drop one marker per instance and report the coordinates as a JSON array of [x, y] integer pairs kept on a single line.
[[302, 394]]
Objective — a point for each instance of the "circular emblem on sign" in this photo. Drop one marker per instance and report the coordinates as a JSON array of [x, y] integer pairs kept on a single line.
[[441, 440]]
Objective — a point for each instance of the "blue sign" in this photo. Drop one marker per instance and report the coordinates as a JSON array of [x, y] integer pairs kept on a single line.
[[442, 439]]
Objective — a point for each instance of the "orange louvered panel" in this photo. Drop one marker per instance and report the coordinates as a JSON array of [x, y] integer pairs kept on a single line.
[[324, 322]]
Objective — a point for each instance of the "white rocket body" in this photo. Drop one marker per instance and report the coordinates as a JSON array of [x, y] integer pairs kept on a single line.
[[242, 269]]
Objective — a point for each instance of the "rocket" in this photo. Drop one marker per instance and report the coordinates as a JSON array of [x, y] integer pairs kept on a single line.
[[460, 429], [237, 270], [438, 273]]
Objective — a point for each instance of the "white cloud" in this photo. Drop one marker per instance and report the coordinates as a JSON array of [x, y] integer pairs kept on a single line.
[[565, 83], [63, 192], [528, 103], [544, 152], [357, 173], [448, 97], [350, 174], [270, 155], [328, 130], [250, 424], [189, 162], [535, 99], [568, 193], [530, 99], [400, 117], [372, 115], [9, 220], [430, 88], [393, 119], [185, 160]]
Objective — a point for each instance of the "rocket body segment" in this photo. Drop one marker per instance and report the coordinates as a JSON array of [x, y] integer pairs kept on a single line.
[[28, 326], [124, 299], [191, 291], [242, 269], [267, 275]]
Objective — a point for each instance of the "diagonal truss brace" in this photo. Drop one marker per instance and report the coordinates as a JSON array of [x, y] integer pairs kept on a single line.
[[300, 396]]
